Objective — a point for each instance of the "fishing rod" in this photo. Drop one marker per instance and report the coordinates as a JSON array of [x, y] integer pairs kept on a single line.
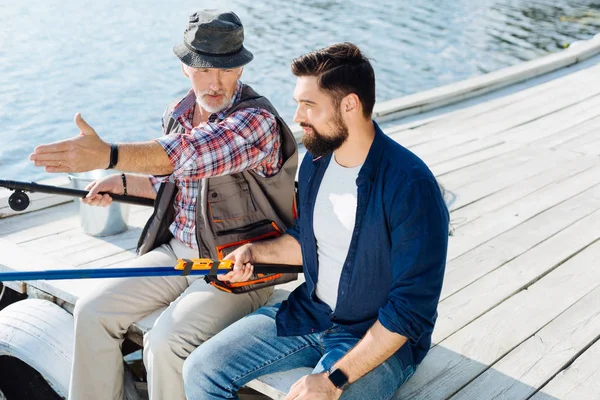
[[19, 201], [184, 267]]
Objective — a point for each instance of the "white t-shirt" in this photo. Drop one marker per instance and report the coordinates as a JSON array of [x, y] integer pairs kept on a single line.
[[333, 223]]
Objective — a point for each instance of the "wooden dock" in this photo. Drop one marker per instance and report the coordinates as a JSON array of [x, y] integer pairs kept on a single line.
[[519, 316]]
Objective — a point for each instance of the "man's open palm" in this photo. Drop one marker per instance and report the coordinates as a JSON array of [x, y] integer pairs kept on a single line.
[[84, 152]]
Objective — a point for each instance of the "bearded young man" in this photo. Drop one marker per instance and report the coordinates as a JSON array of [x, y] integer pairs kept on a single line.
[[372, 235], [222, 174]]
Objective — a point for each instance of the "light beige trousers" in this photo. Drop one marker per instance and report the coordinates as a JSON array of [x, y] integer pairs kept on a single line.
[[195, 312]]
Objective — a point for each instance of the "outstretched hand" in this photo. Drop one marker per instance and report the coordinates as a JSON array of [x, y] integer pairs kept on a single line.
[[85, 152]]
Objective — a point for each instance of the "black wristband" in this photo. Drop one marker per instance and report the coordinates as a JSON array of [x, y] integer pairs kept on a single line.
[[124, 179], [338, 378], [114, 156]]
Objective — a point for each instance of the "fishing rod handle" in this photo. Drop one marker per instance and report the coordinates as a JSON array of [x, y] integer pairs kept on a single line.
[[277, 269], [36, 187]]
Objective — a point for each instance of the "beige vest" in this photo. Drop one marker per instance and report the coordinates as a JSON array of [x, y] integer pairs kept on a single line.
[[234, 209]]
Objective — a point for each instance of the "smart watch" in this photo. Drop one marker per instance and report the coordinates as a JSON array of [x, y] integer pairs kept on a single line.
[[338, 378], [114, 156]]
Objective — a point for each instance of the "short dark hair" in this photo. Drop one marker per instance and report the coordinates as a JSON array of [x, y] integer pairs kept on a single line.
[[341, 69]]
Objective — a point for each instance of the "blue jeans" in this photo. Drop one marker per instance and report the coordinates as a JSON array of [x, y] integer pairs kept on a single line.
[[251, 348]]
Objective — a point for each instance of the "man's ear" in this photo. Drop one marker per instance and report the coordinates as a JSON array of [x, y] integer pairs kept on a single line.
[[183, 69], [240, 72], [350, 103]]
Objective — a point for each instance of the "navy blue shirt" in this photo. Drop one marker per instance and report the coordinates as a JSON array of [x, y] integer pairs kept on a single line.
[[395, 263]]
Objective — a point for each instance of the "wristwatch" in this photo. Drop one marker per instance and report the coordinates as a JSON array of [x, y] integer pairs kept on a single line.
[[338, 378]]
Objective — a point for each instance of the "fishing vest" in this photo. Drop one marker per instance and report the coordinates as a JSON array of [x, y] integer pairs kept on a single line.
[[234, 209]]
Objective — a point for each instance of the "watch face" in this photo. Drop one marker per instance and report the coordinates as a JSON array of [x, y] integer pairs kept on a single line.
[[338, 378]]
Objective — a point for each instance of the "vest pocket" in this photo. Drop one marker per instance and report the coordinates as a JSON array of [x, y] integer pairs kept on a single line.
[[230, 201], [237, 237]]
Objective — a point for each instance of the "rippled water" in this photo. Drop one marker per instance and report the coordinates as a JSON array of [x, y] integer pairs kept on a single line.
[[112, 61]]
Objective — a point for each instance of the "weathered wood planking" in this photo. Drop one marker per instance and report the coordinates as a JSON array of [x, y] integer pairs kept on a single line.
[[468, 236], [547, 89], [505, 177], [456, 361], [511, 115], [528, 367], [491, 289], [581, 381], [518, 190], [555, 140], [466, 269]]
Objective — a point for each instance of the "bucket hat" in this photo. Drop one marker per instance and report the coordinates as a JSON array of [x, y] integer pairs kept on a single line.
[[213, 40]]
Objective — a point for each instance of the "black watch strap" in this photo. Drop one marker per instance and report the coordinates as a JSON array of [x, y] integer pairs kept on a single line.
[[338, 378], [114, 156]]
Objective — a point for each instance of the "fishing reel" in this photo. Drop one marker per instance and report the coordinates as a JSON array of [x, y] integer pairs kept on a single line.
[[18, 200]]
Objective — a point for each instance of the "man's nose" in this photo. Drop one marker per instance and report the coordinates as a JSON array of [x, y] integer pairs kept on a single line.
[[215, 86], [298, 116]]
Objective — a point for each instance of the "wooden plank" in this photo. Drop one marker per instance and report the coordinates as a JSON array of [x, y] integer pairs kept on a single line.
[[582, 143], [49, 216], [518, 190], [445, 149], [466, 269], [462, 357], [117, 259], [524, 370], [592, 148], [526, 133], [483, 170], [513, 115], [555, 140], [548, 88], [509, 271], [470, 235], [99, 248], [75, 240], [562, 120], [580, 381], [505, 177], [473, 158]]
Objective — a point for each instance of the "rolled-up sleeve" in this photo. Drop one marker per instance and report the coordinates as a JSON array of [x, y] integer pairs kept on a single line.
[[419, 242], [247, 139]]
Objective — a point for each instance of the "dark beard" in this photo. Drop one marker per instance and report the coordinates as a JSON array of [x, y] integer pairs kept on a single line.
[[318, 145]]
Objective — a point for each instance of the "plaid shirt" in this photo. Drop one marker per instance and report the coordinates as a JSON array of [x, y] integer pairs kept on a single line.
[[246, 140]]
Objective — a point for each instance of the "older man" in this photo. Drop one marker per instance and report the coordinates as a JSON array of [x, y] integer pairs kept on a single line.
[[222, 175]]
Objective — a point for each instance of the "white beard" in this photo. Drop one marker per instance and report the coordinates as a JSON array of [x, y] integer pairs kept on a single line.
[[212, 108]]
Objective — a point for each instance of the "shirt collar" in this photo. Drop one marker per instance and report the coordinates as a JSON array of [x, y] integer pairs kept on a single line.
[[183, 111], [369, 168]]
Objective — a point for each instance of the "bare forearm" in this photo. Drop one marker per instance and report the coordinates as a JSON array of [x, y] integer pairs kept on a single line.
[[283, 250], [140, 186], [375, 347], [145, 158]]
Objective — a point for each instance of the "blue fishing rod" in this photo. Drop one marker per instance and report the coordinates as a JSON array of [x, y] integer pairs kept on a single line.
[[19, 201], [196, 266]]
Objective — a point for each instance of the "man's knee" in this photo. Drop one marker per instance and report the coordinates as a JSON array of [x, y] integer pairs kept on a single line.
[[200, 371], [164, 341], [87, 310]]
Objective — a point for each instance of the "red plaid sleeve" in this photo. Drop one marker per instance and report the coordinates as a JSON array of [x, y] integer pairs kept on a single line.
[[247, 139]]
